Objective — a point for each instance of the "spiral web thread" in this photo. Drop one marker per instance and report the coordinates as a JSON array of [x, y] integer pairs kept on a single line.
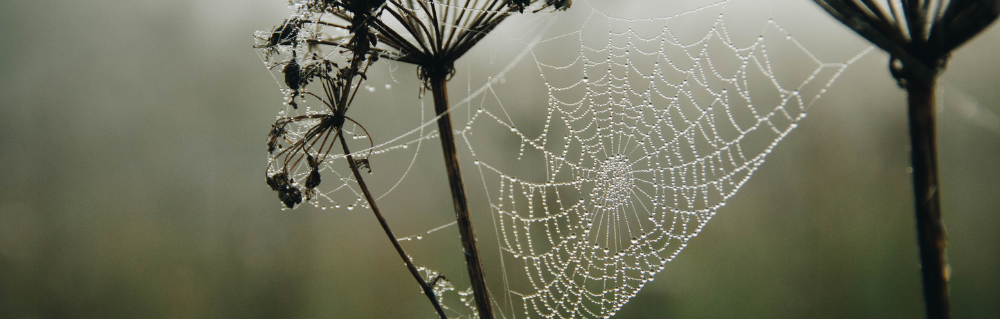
[[648, 129], [639, 154]]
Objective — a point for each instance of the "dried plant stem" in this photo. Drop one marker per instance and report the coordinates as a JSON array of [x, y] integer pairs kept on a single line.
[[439, 87], [930, 227], [428, 289]]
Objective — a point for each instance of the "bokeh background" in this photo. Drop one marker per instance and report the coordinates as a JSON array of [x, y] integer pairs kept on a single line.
[[132, 147]]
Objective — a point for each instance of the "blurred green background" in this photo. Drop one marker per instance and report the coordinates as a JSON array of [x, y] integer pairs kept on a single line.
[[132, 146]]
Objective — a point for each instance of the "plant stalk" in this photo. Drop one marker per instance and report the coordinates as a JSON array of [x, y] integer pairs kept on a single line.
[[472, 261], [428, 290], [930, 227]]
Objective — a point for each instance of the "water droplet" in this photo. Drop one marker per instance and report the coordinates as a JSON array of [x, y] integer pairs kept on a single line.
[[350, 207], [388, 86]]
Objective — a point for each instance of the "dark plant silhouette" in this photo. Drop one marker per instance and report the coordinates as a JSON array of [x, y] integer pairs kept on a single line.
[[920, 35], [433, 35], [339, 86]]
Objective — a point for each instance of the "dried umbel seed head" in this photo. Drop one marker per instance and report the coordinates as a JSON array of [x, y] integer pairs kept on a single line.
[[308, 149], [302, 149]]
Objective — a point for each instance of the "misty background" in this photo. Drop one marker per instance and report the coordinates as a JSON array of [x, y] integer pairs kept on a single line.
[[132, 143]]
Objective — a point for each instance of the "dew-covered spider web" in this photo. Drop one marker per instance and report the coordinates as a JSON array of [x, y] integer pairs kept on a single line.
[[596, 143]]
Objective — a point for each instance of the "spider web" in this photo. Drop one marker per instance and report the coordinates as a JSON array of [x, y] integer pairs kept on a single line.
[[645, 127]]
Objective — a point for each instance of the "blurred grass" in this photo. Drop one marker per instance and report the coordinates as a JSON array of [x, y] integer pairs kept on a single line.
[[132, 147]]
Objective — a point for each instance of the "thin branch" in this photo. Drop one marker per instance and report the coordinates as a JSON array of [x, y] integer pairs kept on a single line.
[[428, 289]]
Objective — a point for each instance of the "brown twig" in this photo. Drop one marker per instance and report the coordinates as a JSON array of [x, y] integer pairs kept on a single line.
[[439, 86], [920, 41], [427, 288], [931, 235]]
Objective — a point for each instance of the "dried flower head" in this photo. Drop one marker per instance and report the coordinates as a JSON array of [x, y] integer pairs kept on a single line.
[[919, 35], [430, 34], [292, 46]]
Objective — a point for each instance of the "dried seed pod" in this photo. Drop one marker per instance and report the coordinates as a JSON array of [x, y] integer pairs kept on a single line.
[[278, 181], [272, 183], [284, 34], [313, 179], [277, 131], [312, 161], [293, 75], [290, 196]]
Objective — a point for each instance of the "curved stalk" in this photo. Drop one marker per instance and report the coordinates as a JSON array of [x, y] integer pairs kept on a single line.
[[428, 289], [439, 86]]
